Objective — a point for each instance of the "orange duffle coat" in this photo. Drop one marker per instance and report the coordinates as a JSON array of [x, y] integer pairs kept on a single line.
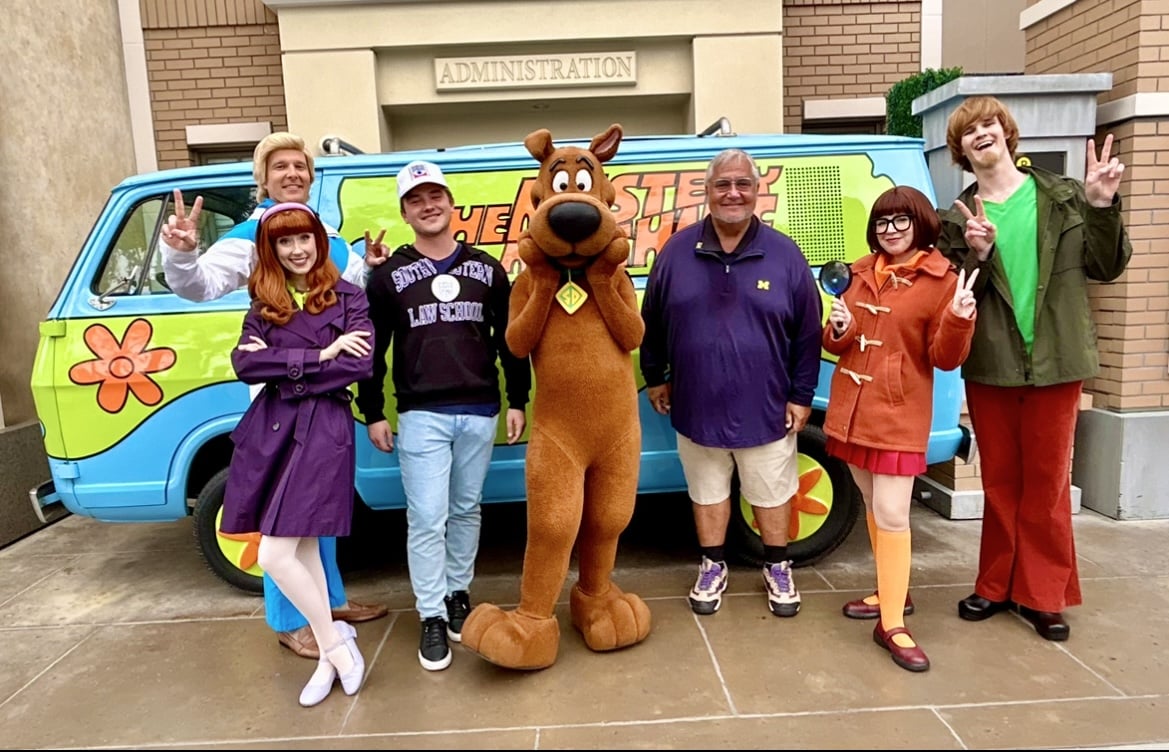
[[882, 390]]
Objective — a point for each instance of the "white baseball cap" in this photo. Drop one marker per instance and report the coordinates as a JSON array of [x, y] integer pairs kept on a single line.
[[417, 173]]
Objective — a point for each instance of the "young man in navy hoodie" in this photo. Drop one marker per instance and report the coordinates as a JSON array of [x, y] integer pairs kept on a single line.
[[443, 306]]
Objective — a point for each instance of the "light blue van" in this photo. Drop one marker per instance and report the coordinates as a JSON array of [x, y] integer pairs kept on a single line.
[[136, 394]]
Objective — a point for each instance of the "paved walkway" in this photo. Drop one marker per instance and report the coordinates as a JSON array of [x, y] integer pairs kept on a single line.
[[117, 636]]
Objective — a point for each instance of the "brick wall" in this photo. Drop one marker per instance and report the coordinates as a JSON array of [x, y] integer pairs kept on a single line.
[[1089, 37], [845, 49], [219, 63], [1128, 38]]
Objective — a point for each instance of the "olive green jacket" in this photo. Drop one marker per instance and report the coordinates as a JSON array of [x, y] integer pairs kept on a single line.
[[1076, 242]]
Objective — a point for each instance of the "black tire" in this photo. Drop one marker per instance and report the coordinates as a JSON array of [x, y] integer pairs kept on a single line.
[[207, 508], [844, 506]]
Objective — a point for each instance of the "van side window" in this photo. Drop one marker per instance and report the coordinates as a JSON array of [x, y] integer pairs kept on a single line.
[[122, 269], [223, 209], [137, 244]]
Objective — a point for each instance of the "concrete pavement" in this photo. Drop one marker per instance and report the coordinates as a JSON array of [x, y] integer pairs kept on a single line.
[[118, 636]]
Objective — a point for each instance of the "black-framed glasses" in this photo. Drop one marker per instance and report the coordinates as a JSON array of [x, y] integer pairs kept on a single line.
[[742, 185], [899, 223]]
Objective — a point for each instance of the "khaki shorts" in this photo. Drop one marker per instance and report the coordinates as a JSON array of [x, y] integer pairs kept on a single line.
[[768, 474]]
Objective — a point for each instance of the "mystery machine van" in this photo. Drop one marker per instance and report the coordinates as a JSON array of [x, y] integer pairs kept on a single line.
[[134, 386]]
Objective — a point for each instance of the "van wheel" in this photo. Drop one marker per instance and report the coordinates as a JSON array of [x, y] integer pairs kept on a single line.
[[825, 509], [231, 557]]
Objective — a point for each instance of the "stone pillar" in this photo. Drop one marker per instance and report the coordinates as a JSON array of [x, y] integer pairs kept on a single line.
[[335, 93], [741, 78]]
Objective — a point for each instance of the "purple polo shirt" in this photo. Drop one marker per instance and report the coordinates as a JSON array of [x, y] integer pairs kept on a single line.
[[736, 334]]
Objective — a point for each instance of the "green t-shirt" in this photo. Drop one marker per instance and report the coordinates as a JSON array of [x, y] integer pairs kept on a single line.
[[1017, 243], [298, 296]]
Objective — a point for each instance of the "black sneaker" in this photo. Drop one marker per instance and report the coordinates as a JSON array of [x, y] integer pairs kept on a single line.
[[433, 652], [458, 608]]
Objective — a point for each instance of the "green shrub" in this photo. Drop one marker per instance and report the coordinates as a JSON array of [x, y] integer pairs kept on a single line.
[[899, 117]]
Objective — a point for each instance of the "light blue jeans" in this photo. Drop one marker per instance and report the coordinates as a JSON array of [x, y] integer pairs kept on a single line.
[[444, 461], [279, 612]]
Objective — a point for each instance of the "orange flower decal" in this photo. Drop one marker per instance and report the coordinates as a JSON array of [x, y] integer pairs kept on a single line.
[[251, 553], [122, 367], [802, 502]]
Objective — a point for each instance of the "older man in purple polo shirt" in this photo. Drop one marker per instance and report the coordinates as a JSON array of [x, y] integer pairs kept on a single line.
[[732, 354]]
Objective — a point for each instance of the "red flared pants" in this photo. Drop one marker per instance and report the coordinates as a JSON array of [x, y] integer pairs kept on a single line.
[[1025, 435]]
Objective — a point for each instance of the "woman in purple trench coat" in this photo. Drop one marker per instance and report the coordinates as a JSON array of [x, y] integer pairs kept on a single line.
[[306, 338]]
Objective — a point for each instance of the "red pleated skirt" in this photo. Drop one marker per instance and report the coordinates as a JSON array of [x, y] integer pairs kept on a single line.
[[880, 461]]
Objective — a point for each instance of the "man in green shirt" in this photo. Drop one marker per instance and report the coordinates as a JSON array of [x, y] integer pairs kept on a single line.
[[1037, 238]]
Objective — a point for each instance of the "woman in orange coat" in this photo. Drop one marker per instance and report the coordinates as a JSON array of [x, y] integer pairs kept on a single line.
[[905, 314]]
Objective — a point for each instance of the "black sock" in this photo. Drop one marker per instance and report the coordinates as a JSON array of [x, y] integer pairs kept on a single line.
[[714, 553], [774, 554]]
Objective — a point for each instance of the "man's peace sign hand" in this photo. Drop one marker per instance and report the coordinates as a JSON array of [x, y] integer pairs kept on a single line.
[[1102, 176], [980, 231], [376, 252], [181, 230], [964, 304]]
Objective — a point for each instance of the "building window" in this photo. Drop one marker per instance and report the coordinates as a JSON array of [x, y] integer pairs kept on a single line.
[[221, 156]]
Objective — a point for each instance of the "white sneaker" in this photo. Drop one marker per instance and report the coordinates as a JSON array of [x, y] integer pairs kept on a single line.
[[782, 597], [707, 594]]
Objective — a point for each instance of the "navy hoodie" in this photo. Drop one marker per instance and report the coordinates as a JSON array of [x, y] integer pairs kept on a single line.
[[447, 331]]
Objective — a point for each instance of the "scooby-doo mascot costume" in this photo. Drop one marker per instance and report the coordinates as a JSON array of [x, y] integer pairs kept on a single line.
[[574, 311]]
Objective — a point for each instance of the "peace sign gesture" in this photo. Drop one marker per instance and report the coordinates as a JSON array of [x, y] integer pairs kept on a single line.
[[1102, 176], [964, 304], [376, 252], [181, 230], [980, 231]]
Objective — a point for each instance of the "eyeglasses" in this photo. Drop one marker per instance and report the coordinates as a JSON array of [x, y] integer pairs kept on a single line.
[[900, 223], [742, 185]]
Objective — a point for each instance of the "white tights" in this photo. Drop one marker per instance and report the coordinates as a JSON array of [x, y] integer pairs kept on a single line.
[[296, 568]]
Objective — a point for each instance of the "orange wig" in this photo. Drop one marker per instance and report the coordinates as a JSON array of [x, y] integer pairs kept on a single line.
[[268, 283]]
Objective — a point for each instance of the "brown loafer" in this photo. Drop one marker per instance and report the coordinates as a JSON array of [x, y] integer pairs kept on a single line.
[[359, 612], [910, 659], [858, 609], [301, 642]]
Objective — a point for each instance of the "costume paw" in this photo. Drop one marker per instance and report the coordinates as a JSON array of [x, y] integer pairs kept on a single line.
[[610, 621], [510, 639]]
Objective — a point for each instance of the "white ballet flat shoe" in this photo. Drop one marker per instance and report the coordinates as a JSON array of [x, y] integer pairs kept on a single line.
[[319, 685], [351, 679]]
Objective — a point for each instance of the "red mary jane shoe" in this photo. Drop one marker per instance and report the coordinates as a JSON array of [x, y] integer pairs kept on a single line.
[[858, 609], [910, 659]]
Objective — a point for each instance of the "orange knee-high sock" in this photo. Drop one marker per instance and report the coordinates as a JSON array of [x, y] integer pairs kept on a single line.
[[894, 551], [871, 522]]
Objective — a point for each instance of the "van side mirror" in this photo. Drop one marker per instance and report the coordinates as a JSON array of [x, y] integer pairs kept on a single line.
[[104, 300]]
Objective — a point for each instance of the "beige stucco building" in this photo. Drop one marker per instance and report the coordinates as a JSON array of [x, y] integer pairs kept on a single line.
[[166, 83]]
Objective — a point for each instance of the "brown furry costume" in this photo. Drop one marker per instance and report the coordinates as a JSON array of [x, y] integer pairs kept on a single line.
[[585, 448]]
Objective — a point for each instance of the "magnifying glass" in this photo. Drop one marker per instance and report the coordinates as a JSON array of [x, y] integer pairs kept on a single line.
[[835, 277]]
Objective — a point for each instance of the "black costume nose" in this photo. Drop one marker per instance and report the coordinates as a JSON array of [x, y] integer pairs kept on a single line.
[[574, 221]]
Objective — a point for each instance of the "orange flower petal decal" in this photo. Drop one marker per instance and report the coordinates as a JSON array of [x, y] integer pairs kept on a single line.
[[122, 367], [801, 502], [111, 395], [137, 336], [251, 553]]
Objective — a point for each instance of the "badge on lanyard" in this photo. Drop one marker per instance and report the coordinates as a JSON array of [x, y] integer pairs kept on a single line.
[[571, 296]]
